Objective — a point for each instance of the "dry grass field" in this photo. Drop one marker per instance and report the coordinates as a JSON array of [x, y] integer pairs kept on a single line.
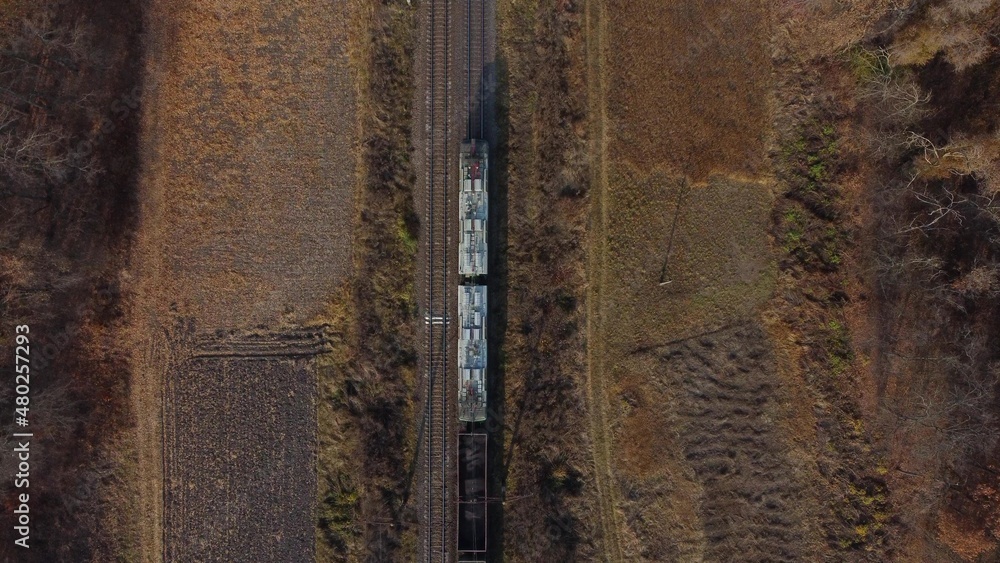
[[688, 86], [682, 259], [251, 159], [250, 153], [690, 414]]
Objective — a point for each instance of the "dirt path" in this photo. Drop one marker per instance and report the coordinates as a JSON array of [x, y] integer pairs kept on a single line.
[[596, 392], [153, 355]]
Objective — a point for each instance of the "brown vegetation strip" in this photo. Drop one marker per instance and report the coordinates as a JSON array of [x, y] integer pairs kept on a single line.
[[367, 382], [548, 468]]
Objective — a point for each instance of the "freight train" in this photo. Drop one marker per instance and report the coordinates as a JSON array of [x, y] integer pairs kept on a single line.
[[472, 269]]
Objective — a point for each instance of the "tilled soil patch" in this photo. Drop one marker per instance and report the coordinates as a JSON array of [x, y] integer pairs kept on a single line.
[[727, 401], [239, 458]]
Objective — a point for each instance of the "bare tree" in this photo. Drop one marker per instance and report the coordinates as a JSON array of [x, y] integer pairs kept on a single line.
[[32, 162], [951, 158], [897, 96], [924, 269], [943, 205], [65, 46]]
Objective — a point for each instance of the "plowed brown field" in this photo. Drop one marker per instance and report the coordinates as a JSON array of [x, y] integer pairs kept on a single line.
[[240, 467]]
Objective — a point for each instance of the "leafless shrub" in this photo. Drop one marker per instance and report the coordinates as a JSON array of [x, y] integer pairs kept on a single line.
[[900, 100]]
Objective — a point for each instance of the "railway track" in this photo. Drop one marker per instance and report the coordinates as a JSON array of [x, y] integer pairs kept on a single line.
[[476, 87], [438, 289], [458, 29]]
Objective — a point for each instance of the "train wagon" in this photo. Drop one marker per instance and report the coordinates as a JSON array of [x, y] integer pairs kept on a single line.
[[472, 353], [473, 208]]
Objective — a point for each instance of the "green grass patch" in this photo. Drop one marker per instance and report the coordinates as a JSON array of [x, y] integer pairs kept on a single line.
[[838, 347], [407, 238], [338, 512]]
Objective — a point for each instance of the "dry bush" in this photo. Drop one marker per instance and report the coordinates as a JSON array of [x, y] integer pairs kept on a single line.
[[967, 541], [980, 281], [987, 495], [961, 29], [818, 28], [982, 161]]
